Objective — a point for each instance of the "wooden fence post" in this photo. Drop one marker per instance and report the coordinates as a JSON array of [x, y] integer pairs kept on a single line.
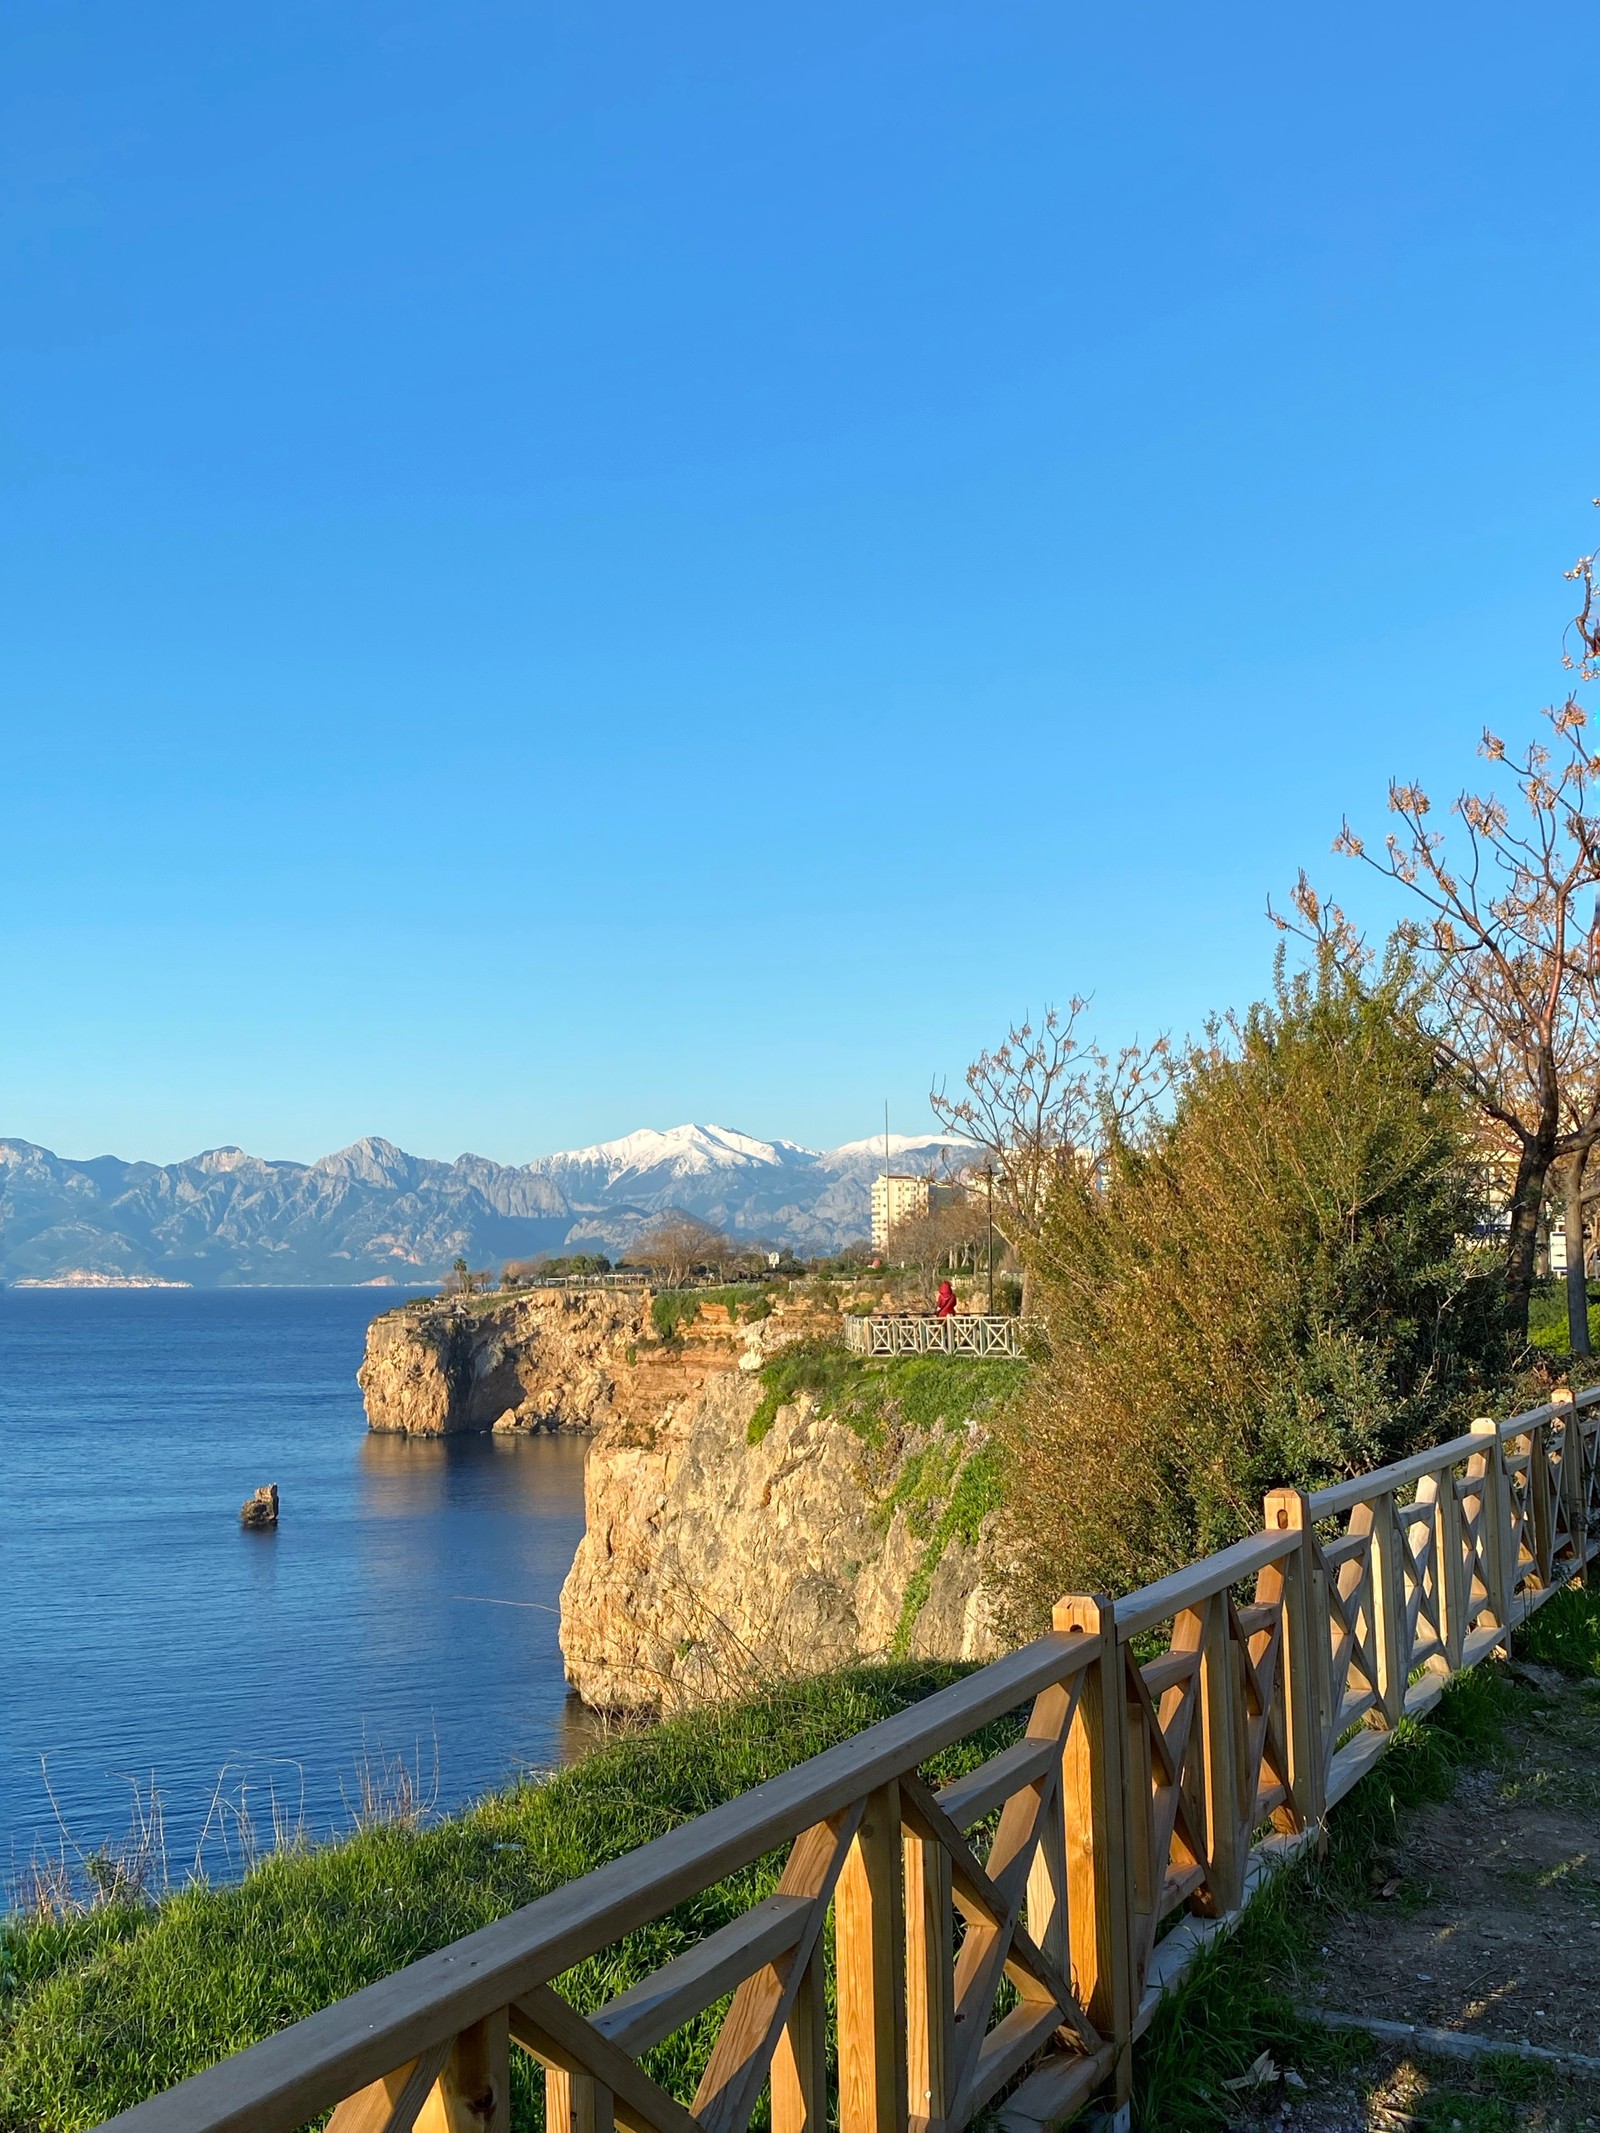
[[930, 1980], [1389, 1610], [1099, 1874], [473, 2092], [1222, 1757], [800, 2062], [1304, 1664], [869, 1947], [1575, 1487], [1541, 1501], [1450, 1554], [1495, 1516]]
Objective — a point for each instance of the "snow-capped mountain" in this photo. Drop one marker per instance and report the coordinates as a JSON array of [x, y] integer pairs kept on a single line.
[[371, 1212]]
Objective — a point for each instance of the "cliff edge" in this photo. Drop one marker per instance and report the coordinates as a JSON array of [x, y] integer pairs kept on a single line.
[[553, 1359], [730, 1546]]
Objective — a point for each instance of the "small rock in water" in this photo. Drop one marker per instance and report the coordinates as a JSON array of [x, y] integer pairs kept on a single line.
[[262, 1509]]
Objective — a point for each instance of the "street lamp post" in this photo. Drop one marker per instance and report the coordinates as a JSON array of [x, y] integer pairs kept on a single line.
[[988, 1179]]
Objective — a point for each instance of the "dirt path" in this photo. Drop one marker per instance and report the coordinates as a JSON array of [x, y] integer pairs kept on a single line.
[[1485, 1919]]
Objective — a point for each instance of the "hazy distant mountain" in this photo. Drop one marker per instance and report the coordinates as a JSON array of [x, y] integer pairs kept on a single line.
[[370, 1212]]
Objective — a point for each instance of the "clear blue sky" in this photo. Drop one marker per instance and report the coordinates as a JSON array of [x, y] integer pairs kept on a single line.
[[570, 567]]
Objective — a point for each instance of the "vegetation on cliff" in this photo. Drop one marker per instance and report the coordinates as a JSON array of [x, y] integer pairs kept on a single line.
[[916, 1392], [100, 2010]]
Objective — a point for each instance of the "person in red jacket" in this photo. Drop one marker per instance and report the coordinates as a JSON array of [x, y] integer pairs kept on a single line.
[[946, 1305]]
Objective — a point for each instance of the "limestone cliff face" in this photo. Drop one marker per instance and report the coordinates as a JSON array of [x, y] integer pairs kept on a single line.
[[710, 1564], [549, 1359]]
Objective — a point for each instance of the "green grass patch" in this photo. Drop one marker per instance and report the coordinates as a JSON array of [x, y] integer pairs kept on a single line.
[[100, 2011], [674, 1310], [1565, 1633], [924, 1393]]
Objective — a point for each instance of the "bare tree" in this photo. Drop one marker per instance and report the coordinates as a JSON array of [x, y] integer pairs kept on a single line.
[[1511, 971], [1045, 1101], [678, 1246]]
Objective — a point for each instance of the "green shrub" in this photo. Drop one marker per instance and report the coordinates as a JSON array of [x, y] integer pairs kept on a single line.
[[672, 1311], [1547, 1319], [1270, 1286]]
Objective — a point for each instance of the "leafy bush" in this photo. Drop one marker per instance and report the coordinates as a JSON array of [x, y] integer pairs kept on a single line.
[[673, 1310], [1547, 1319], [1271, 1286]]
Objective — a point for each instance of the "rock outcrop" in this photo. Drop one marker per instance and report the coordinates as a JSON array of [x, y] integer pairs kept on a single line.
[[261, 1510], [711, 1565], [550, 1359]]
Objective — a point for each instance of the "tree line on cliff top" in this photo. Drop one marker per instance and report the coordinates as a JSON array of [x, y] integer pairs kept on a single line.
[[1304, 1243]]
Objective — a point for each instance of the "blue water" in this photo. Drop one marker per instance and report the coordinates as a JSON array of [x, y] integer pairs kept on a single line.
[[403, 1608]]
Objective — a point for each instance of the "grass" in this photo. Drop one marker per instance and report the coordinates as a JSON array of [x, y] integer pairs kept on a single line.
[[100, 2010], [919, 1392], [675, 1309]]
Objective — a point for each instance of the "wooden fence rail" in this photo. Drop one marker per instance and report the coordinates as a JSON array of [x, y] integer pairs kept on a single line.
[[1004, 1938]]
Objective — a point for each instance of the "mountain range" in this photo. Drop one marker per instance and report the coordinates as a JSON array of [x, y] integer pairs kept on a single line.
[[373, 1213]]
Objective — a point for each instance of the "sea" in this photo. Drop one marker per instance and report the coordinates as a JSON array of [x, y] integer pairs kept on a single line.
[[182, 1690]]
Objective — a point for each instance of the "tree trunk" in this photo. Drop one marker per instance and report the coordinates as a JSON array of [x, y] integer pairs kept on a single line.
[[1533, 1168], [1577, 1269]]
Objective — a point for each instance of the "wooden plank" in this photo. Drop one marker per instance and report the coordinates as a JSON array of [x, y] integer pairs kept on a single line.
[[1222, 1755], [1100, 1861], [1004, 2052], [473, 2091], [968, 1799], [656, 2006], [1452, 1549], [391, 2105], [1304, 1666], [1053, 2093], [800, 2057], [544, 2024], [869, 1960], [1190, 1587], [930, 1965], [576, 2103], [1172, 1670], [1489, 1467], [986, 1904], [1393, 1646], [1343, 1496], [298, 2073]]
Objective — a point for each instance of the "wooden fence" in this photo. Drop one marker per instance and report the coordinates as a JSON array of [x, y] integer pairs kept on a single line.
[[1005, 1937], [959, 1334]]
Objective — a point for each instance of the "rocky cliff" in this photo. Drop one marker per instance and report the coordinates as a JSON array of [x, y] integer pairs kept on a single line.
[[739, 1528], [547, 1359], [712, 1564]]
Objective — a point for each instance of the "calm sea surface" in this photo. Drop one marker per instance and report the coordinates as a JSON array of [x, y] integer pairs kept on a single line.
[[404, 1607]]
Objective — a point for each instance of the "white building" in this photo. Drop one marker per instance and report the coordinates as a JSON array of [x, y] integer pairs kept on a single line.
[[895, 1199], [898, 1197]]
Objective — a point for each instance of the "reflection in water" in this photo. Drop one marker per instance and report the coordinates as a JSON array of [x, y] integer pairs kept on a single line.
[[409, 1591]]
